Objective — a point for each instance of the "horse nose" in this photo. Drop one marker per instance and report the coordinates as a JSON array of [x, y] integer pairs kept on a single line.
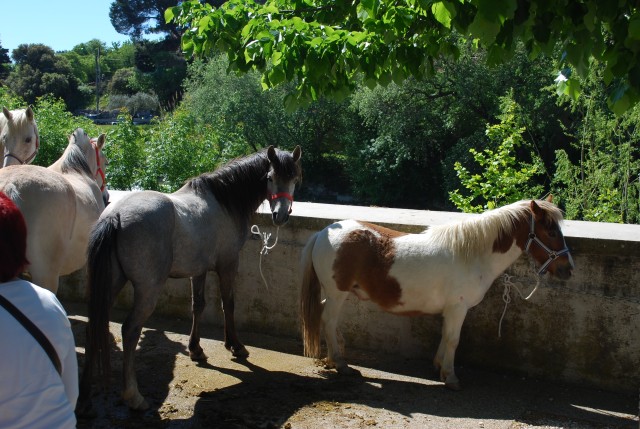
[[563, 272], [280, 218]]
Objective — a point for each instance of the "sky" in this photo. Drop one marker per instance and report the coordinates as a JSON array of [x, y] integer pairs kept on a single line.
[[61, 25]]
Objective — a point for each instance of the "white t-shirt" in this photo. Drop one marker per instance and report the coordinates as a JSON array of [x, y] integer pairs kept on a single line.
[[32, 393]]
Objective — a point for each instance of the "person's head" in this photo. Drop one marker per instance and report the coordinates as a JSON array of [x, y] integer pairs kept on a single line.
[[13, 240]]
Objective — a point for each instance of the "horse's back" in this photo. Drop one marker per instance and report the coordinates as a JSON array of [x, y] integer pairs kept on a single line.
[[145, 222], [39, 193]]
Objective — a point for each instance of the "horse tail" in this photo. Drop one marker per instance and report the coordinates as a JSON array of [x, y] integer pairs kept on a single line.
[[100, 266], [310, 305]]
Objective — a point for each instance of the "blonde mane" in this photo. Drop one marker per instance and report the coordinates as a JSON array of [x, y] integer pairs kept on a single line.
[[475, 236]]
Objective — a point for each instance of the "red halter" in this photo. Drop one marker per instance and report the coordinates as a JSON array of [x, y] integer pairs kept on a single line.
[[100, 171], [286, 195]]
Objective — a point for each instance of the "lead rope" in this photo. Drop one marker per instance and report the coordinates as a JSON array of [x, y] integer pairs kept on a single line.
[[506, 295], [265, 247]]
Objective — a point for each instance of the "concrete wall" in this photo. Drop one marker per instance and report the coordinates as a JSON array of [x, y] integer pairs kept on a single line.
[[584, 330]]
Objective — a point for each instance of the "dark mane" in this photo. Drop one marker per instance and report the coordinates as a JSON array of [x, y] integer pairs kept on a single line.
[[75, 160], [240, 185]]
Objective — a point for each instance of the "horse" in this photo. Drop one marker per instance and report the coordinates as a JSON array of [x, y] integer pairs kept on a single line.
[[19, 138], [60, 203], [147, 237], [445, 270]]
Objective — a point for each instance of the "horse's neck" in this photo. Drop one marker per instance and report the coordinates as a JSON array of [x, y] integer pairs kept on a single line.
[[56, 166], [498, 262]]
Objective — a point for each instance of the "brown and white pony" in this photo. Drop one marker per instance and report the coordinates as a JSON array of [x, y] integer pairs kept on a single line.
[[445, 270], [19, 138]]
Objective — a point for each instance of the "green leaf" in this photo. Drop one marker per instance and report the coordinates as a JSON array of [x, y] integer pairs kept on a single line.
[[621, 105], [170, 14], [442, 13], [371, 7], [634, 27], [484, 29]]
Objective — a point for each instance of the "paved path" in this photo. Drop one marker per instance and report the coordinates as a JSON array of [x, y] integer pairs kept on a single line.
[[277, 387]]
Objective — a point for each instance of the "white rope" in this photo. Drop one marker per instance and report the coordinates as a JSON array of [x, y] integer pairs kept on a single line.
[[265, 247], [506, 295]]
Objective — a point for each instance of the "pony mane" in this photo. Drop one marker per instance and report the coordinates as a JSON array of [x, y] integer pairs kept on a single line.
[[240, 185], [474, 236], [74, 159]]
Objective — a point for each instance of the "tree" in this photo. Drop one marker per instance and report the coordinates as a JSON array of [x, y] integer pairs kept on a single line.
[[5, 63], [40, 71], [504, 179], [136, 18], [323, 44], [597, 177]]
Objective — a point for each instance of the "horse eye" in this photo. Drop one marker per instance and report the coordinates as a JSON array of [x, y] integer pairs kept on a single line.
[[28, 140], [553, 233]]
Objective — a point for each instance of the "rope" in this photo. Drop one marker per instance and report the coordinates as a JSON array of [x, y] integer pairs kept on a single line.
[[265, 247], [506, 295]]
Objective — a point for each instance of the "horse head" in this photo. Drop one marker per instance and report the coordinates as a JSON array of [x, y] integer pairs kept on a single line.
[[545, 241], [19, 136], [95, 157], [284, 172]]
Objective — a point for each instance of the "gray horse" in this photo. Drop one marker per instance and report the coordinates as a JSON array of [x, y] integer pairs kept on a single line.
[[148, 237]]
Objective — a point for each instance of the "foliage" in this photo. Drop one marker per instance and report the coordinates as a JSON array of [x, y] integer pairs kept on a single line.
[[5, 63], [125, 150], [10, 100], [180, 148], [55, 125], [239, 111], [598, 177], [504, 178], [39, 71], [123, 81], [322, 44]]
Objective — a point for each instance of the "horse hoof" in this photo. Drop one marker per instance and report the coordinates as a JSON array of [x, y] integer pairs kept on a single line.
[[198, 356], [137, 403], [239, 352], [455, 386], [347, 370]]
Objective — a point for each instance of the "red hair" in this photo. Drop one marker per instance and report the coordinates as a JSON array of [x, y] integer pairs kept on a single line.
[[13, 240]]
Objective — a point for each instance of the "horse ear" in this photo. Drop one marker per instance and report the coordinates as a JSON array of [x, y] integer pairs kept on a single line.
[[101, 140], [538, 213], [7, 113], [271, 154], [549, 198], [29, 114], [297, 153]]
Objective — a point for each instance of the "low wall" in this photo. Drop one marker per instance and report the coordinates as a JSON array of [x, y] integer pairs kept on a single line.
[[584, 330]]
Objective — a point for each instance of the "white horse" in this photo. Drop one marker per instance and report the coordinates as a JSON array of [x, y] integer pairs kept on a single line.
[[60, 204], [445, 270], [19, 139]]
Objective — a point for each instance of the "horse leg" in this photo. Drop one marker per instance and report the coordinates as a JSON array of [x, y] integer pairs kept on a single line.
[[227, 280], [144, 302], [330, 316], [444, 359], [197, 307]]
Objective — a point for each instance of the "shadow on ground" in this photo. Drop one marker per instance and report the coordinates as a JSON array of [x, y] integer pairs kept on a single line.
[[276, 387]]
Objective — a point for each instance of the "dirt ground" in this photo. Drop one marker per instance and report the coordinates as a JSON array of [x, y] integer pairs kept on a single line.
[[278, 388]]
